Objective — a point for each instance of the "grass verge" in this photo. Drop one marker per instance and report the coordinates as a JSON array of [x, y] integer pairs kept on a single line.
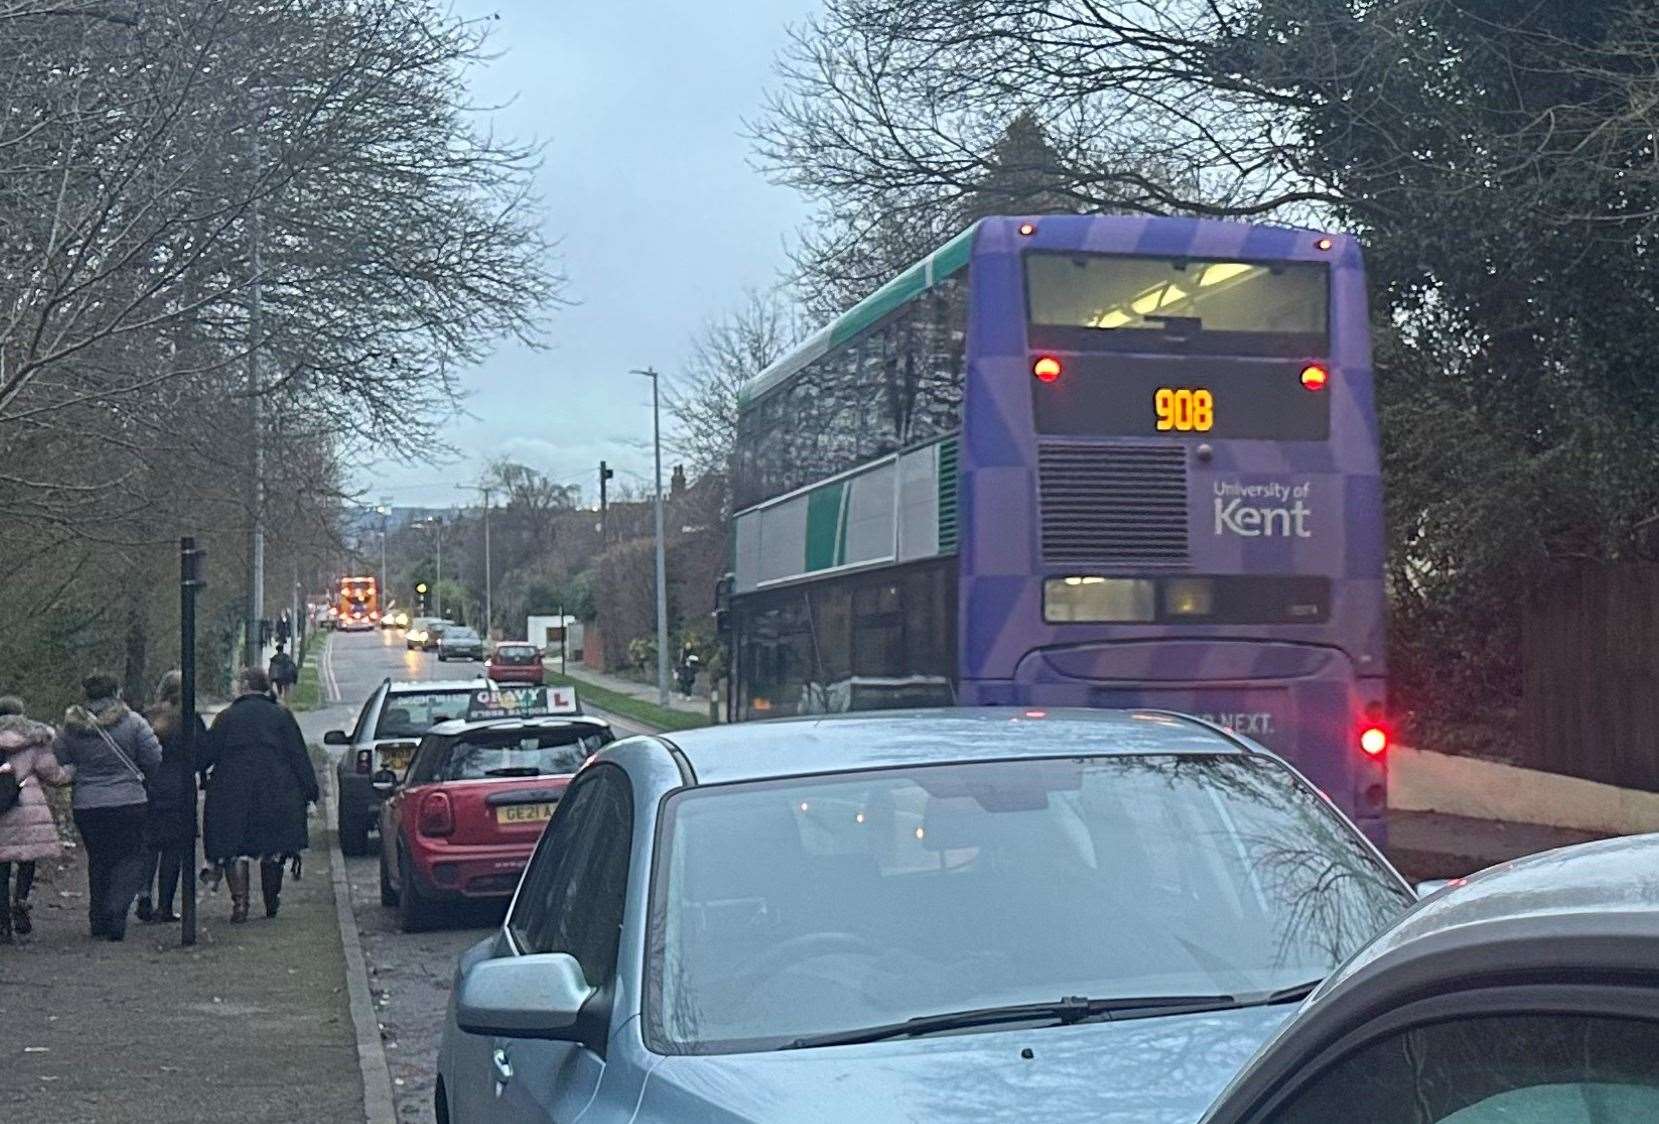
[[627, 706], [308, 689]]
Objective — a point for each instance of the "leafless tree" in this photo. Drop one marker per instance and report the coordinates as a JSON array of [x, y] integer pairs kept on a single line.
[[730, 350]]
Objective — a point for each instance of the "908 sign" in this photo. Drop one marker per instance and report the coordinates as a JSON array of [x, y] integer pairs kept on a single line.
[[1183, 410]]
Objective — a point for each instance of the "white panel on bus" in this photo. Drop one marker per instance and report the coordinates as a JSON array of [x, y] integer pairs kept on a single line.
[[869, 529], [783, 540], [919, 504], [746, 562]]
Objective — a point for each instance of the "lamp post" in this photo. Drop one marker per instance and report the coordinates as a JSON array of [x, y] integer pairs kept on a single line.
[[385, 510], [662, 568], [435, 523]]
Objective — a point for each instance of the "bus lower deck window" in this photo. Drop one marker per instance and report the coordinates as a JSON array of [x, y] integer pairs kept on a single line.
[[1089, 597]]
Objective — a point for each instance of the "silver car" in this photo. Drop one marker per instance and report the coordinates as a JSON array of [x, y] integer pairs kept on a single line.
[[926, 915], [1525, 994]]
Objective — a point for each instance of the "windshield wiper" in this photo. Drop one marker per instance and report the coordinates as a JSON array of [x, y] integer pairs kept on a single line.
[[1073, 1008], [1293, 994], [514, 771]]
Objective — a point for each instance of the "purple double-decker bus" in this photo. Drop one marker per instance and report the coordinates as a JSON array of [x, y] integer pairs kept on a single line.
[[1078, 460]]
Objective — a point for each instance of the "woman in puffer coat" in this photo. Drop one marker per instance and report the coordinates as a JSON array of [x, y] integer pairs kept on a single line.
[[113, 753], [27, 833]]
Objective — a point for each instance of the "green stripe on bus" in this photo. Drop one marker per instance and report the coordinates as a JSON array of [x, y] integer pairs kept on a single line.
[[823, 526], [879, 303]]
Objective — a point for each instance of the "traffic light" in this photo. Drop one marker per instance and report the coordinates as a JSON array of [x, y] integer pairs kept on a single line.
[[606, 472], [420, 597]]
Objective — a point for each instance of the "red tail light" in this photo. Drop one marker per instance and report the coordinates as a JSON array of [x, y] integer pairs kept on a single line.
[[437, 814], [1314, 377], [1373, 741], [1046, 368], [365, 761]]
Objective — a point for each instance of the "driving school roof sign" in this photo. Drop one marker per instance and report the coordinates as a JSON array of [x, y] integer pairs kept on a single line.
[[521, 702]]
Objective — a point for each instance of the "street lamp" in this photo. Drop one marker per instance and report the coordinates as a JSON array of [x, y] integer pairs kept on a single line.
[[385, 510], [662, 568], [489, 570]]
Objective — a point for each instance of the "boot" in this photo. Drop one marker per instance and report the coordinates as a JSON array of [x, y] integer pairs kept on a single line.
[[20, 900], [236, 877], [270, 886], [6, 927]]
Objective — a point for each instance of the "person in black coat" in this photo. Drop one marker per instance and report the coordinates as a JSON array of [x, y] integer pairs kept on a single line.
[[260, 783], [170, 826]]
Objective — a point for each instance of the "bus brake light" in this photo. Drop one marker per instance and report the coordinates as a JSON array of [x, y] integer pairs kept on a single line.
[[1314, 377], [1373, 741], [1046, 368]]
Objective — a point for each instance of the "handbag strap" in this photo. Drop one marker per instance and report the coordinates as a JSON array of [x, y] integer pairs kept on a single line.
[[125, 760]]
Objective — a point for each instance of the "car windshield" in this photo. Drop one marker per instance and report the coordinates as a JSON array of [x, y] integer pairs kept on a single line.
[[791, 909], [411, 715], [484, 755], [515, 653], [463, 634]]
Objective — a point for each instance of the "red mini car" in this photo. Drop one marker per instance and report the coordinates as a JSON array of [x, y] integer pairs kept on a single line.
[[514, 661], [463, 820]]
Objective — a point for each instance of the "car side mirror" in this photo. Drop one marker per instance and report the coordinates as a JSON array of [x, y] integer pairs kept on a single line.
[[538, 996], [1431, 886], [336, 737], [384, 781]]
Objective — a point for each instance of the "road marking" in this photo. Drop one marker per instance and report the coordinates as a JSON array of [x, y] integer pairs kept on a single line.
[[326, 666], [378, 1104]]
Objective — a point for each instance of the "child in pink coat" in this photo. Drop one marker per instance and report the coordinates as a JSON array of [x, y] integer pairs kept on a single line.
[[27, 832]]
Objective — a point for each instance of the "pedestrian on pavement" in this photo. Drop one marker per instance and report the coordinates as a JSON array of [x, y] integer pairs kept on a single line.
[[284, 630], [27, 832], [262, 780], [112, 753], [170, 829], [284, 672]]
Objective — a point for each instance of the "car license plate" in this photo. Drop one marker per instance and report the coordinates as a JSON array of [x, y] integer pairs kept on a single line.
[[523, 813]]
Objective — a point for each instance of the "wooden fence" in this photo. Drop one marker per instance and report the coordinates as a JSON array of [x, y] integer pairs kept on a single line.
[[1590, 654]]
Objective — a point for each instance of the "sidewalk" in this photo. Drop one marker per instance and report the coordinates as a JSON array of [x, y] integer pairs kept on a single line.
[[252, 1024], [644, 692]]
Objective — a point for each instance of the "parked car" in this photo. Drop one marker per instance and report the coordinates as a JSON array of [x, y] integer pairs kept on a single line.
[[515, 661], [458, 642], [1525, 993], [463, 820], [388, 728], [955, 915]]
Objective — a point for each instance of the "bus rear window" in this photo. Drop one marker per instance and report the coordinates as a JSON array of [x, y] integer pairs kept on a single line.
[[1222, 307]]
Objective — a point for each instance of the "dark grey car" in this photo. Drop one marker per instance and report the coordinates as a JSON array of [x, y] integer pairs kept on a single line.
[[457, 642]]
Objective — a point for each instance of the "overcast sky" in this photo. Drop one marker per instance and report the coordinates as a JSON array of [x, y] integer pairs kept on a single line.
[[660, 217]]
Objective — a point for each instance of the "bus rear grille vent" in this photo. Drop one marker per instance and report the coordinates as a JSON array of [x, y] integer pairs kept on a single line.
[[949, 469], [1119, 506]]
